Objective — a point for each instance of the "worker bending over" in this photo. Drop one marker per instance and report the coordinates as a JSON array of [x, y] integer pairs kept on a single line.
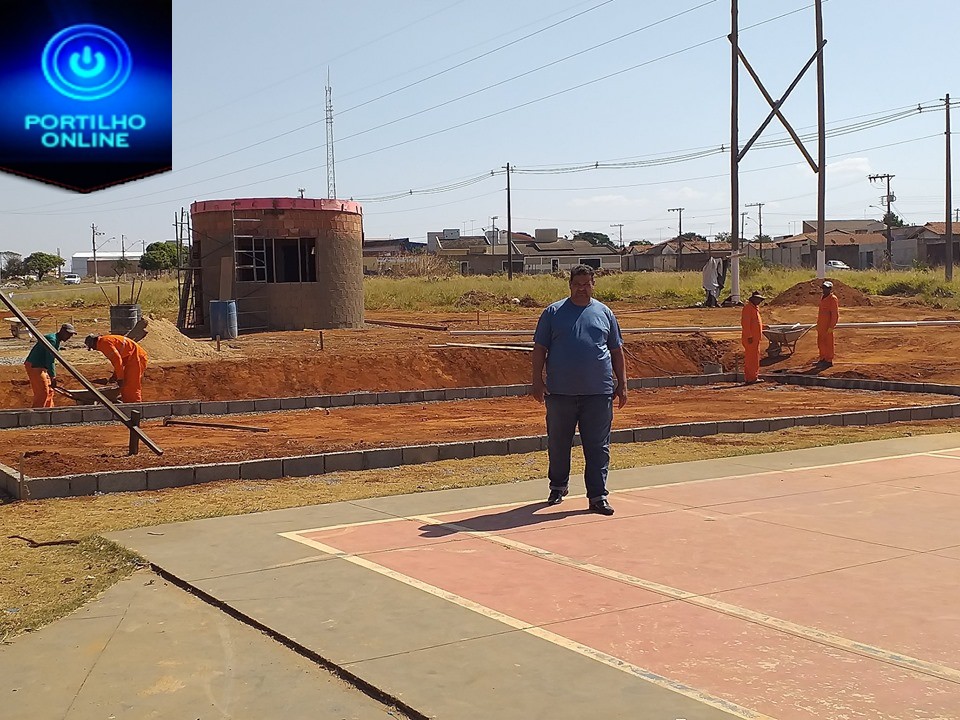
[[827, 317], [751, 332], [129, 361], [40, 366]]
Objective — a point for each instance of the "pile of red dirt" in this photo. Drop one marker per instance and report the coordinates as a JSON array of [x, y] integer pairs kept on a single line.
[[809, 293]]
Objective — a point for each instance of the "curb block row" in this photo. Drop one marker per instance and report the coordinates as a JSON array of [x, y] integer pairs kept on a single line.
[[309, 465], [378, 458], [91, 414]]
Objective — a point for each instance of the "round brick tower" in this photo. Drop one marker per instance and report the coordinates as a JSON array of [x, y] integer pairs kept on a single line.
[[289, 263]]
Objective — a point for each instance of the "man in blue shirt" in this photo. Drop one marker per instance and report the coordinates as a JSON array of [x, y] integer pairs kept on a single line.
[[579, 341], [39, 366]]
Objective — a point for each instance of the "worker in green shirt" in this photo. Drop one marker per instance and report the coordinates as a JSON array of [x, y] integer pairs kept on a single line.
[[39, 365]]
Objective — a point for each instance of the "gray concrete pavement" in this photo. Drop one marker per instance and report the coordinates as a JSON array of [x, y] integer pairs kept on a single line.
[[148, 649]]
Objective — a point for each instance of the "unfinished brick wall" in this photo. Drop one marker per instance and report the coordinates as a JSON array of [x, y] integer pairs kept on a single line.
[[335, 300]]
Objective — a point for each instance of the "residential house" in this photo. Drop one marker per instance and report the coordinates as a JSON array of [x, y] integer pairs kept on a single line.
[[543, 253], [847, 226], [931, 243], [690, 255], [859, 250]]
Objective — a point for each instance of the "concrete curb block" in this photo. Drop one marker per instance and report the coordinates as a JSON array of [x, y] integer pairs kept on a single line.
[[90, 414]]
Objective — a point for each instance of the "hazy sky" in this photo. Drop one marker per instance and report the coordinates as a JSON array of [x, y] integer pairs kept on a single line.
[[431, 93]]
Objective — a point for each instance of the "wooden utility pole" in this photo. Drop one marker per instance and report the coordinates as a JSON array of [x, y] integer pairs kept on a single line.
[[821, 151], [509, 230], [734, 152], [889, 216], [679, 211], [620, 226], [948, 236]]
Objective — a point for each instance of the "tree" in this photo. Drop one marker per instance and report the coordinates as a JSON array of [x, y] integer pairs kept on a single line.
[[40, 263], [722, 237], [891, 219], [160, 256], [11, 264], [121, 266], [634, 243], [692, 236], [761, 238], [594, 238]]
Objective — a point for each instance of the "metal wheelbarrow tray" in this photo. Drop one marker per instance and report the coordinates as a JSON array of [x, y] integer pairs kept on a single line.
[[17, 327], [784, 337], [85, 397]]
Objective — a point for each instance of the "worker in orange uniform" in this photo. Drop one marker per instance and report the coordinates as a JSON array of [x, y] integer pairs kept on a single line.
[[827, 317], [751, 332], [40, 366], [129, 361]]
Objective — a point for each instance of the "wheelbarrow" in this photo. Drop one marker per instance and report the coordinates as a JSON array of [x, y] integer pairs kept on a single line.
[[85, 397], [17, 327], [784, 337]]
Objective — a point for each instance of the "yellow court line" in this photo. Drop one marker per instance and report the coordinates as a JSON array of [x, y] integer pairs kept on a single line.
[[579, 648]]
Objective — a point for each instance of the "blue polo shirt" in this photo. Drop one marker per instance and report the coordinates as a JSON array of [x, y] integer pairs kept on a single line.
[[579, 341]]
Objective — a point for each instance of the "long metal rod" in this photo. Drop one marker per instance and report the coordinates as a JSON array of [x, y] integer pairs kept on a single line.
[[737, 328], [117, 412], [220, 426]]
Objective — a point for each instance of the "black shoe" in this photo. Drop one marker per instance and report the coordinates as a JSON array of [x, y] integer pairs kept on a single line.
[[601, 506], [557, 496]]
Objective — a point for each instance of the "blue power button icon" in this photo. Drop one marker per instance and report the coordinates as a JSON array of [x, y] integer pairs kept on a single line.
[[86, 62]]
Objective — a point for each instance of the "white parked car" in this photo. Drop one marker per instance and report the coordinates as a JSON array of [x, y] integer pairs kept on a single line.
[[837, 265], [71, 279]]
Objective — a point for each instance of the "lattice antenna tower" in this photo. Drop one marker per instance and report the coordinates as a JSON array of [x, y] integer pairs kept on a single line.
[[331, 170]]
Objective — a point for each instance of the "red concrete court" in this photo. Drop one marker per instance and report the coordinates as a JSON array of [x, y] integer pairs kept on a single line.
[[822, 592]]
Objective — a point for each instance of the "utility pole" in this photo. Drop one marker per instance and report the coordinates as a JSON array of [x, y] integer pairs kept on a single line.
[[95, 232], [948, 239], [493, 232], [889, 197], [619, 225], [679, 211], [759, 207], [509, 230], [743, 221]]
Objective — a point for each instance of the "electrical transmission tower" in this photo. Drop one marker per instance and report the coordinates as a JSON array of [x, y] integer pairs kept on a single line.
[[331, 171]]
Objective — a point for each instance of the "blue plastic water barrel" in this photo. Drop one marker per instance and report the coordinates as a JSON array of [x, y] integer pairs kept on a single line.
[[223, 319]]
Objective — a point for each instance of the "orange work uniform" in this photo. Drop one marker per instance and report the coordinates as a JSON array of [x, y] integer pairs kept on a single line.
[[751, 331], [129, 362], [40, 370], [827, 318]]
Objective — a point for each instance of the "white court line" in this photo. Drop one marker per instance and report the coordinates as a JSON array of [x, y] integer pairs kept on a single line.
[[812, 634], [589, 652], [802, 631], [759, 473]]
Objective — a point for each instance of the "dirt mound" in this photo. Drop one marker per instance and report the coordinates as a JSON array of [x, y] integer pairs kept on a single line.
[[809, 293], [162, 341], [477, 298]]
